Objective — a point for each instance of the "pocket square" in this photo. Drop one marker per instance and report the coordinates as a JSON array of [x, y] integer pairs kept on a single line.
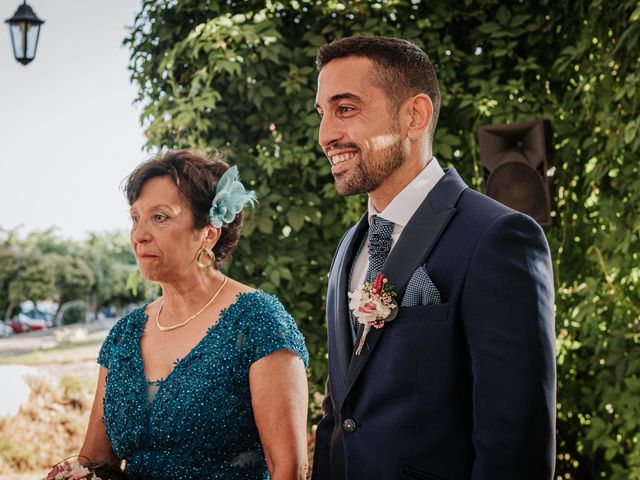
[[420, 290]]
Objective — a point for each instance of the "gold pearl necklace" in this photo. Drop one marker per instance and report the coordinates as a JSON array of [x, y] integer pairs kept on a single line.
[[162, 328]]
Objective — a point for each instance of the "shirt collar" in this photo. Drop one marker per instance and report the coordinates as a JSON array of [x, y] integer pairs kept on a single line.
[[405, 203]]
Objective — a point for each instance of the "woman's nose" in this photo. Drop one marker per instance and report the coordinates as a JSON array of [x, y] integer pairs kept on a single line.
[[140, 232]]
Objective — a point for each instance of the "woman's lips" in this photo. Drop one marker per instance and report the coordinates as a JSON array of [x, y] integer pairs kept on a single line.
[[146, 256]]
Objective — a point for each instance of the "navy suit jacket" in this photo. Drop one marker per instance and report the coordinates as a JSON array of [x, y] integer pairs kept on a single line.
[[460, 390]]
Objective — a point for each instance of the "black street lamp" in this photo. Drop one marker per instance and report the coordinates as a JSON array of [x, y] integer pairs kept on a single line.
[[25, 30]]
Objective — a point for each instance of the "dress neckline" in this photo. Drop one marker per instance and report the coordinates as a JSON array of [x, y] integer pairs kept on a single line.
[[176, 364]]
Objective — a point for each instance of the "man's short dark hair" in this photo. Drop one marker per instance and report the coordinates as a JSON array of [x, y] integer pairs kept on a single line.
[[405, 70]]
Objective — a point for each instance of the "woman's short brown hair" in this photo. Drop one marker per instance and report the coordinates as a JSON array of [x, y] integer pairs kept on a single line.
[[196, 176]]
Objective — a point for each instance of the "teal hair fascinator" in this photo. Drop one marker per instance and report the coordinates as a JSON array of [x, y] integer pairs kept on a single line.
[[231, 197]]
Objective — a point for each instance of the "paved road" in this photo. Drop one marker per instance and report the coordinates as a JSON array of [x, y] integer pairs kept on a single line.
[[27, 342]]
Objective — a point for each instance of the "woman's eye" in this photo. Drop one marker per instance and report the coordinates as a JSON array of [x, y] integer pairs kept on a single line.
[[134, 219], [160, 217]]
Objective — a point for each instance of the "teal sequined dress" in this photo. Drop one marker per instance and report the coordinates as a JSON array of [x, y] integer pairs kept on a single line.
[[198, 422]]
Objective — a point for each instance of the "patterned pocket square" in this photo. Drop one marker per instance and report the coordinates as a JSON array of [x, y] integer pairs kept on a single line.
[[420, 290]]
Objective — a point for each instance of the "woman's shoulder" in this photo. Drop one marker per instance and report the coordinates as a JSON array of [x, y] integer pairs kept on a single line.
[[246, 297], [122, 334], [267, 326], [255, 304], [132, 318], [129, 322], [254, 296]]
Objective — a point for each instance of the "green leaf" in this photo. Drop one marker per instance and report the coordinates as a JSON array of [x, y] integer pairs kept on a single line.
[[265, 225], [489, 28], [274, 277], [503, 16], [295, 217], [630, 132]]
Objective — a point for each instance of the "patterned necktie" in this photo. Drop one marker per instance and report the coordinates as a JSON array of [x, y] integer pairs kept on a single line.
[[379, 245], [379, 237]]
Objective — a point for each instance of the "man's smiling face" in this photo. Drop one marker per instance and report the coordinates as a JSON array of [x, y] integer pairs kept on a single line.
[[358, 132]]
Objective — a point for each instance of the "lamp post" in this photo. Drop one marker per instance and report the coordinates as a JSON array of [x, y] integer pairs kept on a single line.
[[25, 31]]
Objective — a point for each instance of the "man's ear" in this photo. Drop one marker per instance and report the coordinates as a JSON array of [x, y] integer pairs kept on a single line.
[[418, 112]]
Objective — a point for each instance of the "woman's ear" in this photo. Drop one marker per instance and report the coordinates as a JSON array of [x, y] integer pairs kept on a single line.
[[211, 236], [418, 112]]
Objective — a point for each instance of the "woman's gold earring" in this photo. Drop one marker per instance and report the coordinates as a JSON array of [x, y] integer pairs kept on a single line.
[[209, 253]]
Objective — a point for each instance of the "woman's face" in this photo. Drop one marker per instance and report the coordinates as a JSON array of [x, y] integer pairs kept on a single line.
[[162, 234]]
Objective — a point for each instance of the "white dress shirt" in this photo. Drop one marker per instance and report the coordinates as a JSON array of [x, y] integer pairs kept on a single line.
[[399, 211]]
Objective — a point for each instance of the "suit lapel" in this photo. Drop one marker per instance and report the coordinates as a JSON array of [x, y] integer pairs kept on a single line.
[[413, 247], [341, 318]]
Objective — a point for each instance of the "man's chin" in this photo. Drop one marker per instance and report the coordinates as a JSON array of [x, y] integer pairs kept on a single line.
[[347, 188]]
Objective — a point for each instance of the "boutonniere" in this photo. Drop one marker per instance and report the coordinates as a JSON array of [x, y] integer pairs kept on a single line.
[[373, 305]]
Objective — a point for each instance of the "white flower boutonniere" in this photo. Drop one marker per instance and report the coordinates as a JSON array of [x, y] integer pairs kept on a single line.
[[373, 305]]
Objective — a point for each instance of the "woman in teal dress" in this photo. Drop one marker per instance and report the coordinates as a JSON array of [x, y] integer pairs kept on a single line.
[[208, 381]]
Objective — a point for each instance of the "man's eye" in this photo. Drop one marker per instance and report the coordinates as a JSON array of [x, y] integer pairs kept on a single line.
[[134, 218], [344, 109]]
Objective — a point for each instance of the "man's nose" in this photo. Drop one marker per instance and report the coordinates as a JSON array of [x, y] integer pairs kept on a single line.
[[328, 133]]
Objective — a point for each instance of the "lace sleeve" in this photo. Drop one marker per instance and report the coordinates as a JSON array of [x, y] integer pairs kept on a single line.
[[113, 338], [271, 328]]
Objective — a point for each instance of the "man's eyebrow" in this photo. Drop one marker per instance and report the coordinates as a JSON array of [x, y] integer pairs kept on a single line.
[[342, 96]]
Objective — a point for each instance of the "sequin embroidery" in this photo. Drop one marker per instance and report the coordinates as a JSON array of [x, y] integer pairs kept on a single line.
[[198, 422]]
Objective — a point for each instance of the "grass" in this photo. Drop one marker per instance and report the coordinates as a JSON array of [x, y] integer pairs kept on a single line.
[[66, 352]]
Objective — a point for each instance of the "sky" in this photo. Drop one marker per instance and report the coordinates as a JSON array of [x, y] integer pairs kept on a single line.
[[69, 132]]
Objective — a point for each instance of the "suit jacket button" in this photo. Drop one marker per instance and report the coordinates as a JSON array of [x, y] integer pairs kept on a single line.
[[349, 425]]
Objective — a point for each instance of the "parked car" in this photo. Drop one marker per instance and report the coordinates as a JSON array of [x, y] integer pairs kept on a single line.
[[5, 330], [16, 326], [24, 323], [39, 315]]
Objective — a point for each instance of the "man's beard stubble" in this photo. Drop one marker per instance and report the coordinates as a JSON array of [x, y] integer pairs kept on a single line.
[[367, 175]]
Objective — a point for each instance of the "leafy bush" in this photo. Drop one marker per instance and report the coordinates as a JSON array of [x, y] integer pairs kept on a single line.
[[239, 76], [73, 312]]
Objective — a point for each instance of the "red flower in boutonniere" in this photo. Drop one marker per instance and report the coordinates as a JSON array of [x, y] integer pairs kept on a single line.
[[373, 305]]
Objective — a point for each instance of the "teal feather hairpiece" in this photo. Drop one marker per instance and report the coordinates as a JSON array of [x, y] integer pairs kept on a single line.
[[231, 197]]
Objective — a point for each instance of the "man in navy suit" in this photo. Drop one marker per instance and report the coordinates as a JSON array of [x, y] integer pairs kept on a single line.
[[461, 384]]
